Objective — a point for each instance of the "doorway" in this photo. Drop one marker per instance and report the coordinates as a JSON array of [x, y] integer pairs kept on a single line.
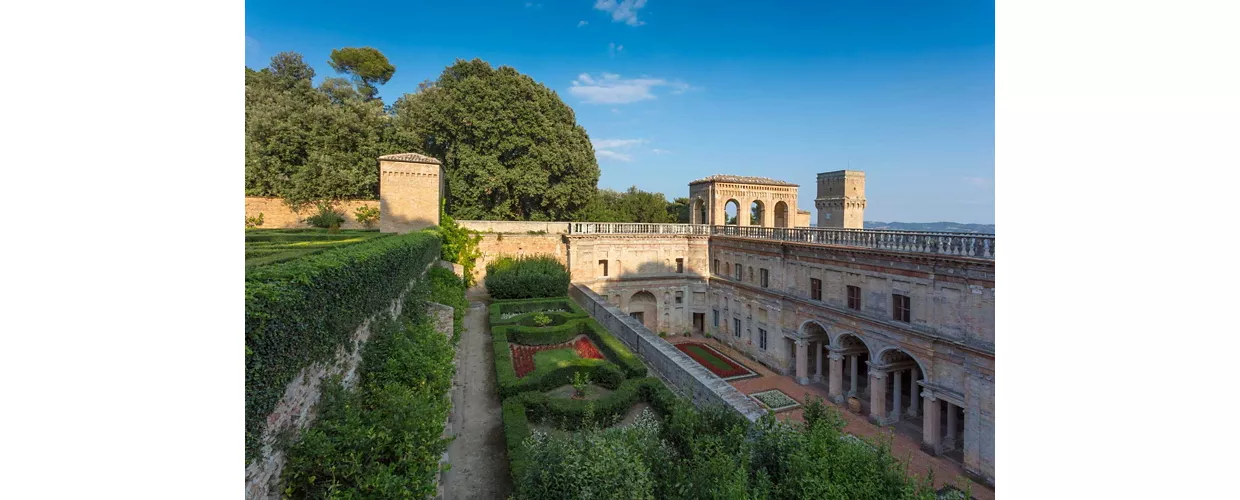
[[699, 323]]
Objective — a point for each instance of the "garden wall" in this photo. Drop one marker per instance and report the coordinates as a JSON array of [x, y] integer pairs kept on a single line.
[[277, 215], [676, 368], [523, 227], [496, 245]]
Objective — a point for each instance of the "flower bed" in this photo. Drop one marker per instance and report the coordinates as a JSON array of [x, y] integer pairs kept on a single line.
[[523, 355], [714, 361], [775, 400], [515, 314]]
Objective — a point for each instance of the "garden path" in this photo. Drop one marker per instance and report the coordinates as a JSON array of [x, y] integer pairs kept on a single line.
[[478, 455]]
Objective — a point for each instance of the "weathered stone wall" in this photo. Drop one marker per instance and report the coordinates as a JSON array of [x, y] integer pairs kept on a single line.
[[513, 227], [676, 368], [277, 215], [410, 187], [495, 245]]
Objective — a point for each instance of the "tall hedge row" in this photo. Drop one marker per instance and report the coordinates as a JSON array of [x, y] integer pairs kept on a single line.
[[299, 312], [526, 278]]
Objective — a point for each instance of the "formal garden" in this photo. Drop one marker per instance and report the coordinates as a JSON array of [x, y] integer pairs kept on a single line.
[[582, 418], [718, 363], [271, 246]]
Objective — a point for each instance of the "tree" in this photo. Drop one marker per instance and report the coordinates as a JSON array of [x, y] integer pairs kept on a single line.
[[511, 149], [633, 205], [368, 66], [304, 144], [678, 209]]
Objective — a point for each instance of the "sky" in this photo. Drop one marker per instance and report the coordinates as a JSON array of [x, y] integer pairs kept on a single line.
[[673, 91]]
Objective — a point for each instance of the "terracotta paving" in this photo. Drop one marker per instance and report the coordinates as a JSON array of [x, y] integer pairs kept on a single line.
[[907, 449]]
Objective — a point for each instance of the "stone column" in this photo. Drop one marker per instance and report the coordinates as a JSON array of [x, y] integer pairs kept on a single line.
[[912, 391], [878, 397], [930, 423], [835, 376], [852, 382], [801, 361], [818, 367], [950, 443], [896, 402]]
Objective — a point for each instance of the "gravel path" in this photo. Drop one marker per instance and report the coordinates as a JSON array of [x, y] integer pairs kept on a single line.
[[478, 455]]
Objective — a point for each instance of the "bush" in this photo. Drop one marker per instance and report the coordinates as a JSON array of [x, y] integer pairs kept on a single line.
[[384, 440], [500, 308], [299, 312], [366, 215], [460, 246], [448, 289], [527, 278], [541, 320], [254, 221], [327, 217]]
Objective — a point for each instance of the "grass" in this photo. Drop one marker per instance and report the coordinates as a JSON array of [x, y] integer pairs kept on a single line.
[[544, 360], [710, 357], [269, 246]]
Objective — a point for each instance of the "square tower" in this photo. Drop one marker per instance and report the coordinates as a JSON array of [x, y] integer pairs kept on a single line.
[[410, 188], [841, 199]]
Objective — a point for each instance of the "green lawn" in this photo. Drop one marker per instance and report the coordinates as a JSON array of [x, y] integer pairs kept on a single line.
[[269, 246], [711, 358], [551, 358]]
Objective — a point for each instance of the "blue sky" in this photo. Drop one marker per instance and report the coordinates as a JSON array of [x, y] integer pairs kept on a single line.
[[674, 91]]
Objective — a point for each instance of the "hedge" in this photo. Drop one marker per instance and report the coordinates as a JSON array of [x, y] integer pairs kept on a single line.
[[449, 289], [511, 330], [526, 278], [299, 312], [525, 306], [601, 372]]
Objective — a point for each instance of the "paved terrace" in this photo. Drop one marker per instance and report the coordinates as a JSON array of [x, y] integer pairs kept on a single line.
[[969, 245]]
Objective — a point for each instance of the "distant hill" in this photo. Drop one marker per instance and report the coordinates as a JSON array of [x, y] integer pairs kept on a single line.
[[954, 227]]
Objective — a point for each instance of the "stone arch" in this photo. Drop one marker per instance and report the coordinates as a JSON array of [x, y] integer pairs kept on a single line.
[[782, 218], [757, 213], [854, 366], [697, 212], [644, 306], [889, 355], [735, 216], [901, 391]]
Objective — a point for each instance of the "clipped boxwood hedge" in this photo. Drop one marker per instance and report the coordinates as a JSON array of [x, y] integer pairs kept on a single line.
[[299, 312], [527, 306], [601, 372], [526, 277]]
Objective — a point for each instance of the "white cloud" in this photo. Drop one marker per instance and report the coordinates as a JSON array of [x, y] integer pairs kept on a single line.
[[606, 148], [977, 182], [613, 49], [581, 23], [533, 5], [609, 88], [622, 11], [659, 151]]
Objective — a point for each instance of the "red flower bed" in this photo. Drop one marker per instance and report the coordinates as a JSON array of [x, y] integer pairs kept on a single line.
[[712, 360], [523, 355]]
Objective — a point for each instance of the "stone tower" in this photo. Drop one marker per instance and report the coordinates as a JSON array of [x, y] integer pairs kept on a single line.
[[410, 187], [841, 199]]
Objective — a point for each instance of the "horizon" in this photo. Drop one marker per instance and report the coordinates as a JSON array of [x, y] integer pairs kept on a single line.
[[900, 90]]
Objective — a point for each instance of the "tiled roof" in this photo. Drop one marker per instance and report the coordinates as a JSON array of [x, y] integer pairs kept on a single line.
[[411, 158], [742, 179]]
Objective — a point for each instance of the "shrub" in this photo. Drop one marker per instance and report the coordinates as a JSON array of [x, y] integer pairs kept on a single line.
[[541, 320], [449, 289], [460, 246], [327, 217], [516, 309], [254, 221], [367, 215], [580, 381], [299, 312], [526, 277]]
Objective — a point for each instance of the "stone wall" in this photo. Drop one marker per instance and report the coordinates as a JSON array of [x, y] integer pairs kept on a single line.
[[674, 367], [495, 245], [513, 227], [277, 215]]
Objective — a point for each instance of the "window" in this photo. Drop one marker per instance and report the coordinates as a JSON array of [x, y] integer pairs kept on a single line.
[[680, 297], [716, 316], [900, 310], [737, 330], [680, 265], [854, 298], [815, 288], [716, 266], [602, 265], [762, 339], [766, 277], [739, 271]]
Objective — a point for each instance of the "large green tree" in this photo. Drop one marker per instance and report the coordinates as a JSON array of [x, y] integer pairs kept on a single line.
[[368, 67], [306, 144], [633, 205], [512, 150]]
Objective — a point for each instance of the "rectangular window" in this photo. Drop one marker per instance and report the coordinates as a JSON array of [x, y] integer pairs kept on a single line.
[[680, 265], [736, 322], [739, 271], [602, 266], [762, 339], [854, 298], [766, 277], [815, 289], [900, 310], [680, 297], [716, 316], [716, 267]]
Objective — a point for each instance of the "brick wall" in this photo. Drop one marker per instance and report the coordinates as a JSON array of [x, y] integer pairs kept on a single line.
[[277, 215]]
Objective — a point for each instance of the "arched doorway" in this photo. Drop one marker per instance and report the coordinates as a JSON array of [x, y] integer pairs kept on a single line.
[[730, 211], [854, 367], [757, 213], [644, 307], [901, 393], [781, 215], [697, 213]]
